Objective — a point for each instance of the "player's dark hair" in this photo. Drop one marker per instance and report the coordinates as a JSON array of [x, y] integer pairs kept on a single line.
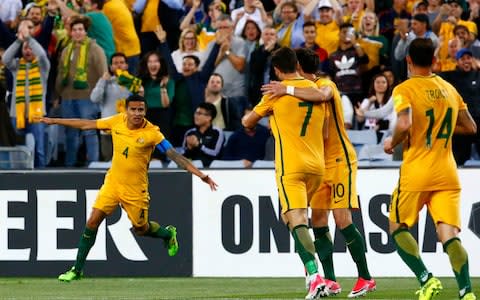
[[421, 52], [285, 60], [135, 98], [210, 108], [345, 25], [308, 60]]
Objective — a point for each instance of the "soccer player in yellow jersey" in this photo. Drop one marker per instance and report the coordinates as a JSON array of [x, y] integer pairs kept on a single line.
[[299, 164], [429, 111], [338, 190], [126, 183]]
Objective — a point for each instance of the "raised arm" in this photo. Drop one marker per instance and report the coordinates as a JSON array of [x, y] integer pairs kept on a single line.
[[83, 124], [187, 20], [165, 51]]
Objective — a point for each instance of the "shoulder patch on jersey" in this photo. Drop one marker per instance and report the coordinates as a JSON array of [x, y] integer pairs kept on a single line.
[[397, 100], [141, 140]]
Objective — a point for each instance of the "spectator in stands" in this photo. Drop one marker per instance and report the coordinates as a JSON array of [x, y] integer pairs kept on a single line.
[[290, 29], [251, 33], [159, 90], [110, 95], [433, 9], [9, 11], [43, 24], [448, 63], [391, 78], [310, 36], [390, 19], [204, 141], [445, 23], [124, 34], [347, 64], [205, 29], [420, 28], [328, 25], [81, 65], [189, 85], [230, 63], [227, 117], [260, 68], [251, 10], [247, 144], [354, 10], [378, 95], [188, 45], [147, 11], [469, 39], [370, 30], [466, 79], [100, 27], [30, 73]]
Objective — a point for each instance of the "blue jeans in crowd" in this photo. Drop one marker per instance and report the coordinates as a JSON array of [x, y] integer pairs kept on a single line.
[[83, 109], [39, 136]]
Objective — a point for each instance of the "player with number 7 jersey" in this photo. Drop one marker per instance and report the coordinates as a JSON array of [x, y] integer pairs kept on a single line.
[[297, 127]]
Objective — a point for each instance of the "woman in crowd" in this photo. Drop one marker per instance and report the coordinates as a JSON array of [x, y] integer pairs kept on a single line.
[[187, 45], [158, 90], [379, 94]]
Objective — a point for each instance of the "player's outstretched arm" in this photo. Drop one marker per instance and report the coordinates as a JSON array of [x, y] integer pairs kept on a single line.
[[277, 89], [186, 164], [465, 123], [83, 124]]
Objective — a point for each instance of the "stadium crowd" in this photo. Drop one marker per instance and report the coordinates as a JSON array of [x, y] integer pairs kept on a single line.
[[201, 65]]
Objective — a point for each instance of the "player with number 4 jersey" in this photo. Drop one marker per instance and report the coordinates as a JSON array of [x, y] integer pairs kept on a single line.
[[429, 111]]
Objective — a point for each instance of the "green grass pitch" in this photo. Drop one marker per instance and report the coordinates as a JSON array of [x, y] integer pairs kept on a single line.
[[202, 288]]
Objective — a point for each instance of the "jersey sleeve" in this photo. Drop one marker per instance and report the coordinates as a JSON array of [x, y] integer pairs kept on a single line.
[[401, 100], [156, 135], [264, 107], [107, 123], [461, 104]]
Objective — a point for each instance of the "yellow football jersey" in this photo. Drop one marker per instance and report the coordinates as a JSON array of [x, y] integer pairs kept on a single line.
[[328, 36], [338, 148], [131, 151], [428, 163], [297, 127]]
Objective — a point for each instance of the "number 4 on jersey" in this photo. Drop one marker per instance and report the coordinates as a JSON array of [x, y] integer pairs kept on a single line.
[[125, 152], [445, 129]]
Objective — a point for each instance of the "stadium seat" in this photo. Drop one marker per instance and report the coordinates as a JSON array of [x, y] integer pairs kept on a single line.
[[472, 163], [156, 164], [227, 164], [362, 137], [227, 135], [267, 164], [100, 165], [17, 157], [373, 153], [196, 163]]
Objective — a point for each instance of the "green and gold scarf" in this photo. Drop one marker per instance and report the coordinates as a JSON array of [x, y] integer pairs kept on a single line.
[[35, 93], [80, 79]]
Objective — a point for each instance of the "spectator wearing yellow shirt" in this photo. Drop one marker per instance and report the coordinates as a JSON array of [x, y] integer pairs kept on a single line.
[[327, 26], [468, 39], [124, 34], [447, 19], [149, 21], [354, 11]]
